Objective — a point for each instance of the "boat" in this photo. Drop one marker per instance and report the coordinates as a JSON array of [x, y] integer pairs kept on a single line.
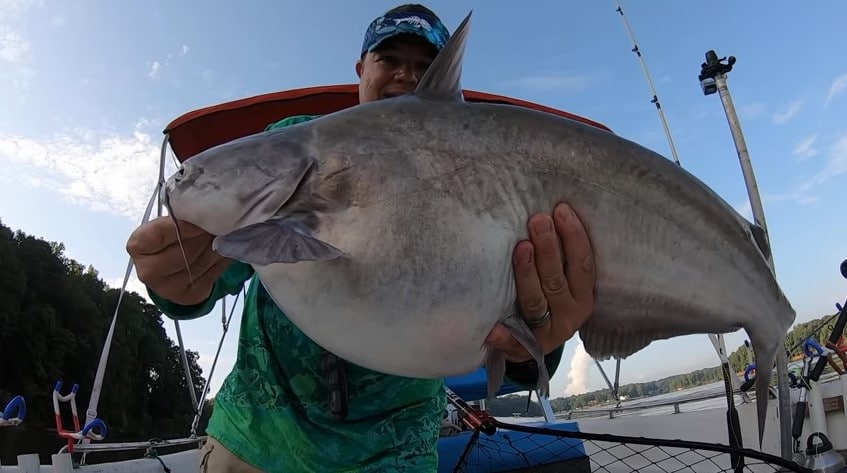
[[579, 441]]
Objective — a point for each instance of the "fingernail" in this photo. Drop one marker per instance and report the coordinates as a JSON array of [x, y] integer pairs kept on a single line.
[[565, 212], [526, 257]]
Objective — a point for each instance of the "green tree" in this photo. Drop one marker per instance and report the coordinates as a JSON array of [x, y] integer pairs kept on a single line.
[[55, 314]]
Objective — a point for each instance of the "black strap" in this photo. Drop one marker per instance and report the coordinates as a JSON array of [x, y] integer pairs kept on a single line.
[[336, 375]]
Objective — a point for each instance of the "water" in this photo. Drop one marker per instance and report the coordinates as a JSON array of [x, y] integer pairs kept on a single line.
[[716, 389]]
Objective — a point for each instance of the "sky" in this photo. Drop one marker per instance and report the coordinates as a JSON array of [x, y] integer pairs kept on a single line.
[[87, 86]]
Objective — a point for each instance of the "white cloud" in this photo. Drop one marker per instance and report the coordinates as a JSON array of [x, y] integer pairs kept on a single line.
[[103, 172], [835, 166], [578, 374], [15, 72], [787, 112], [806, 191], [838, 85], [13, 48], [838, 157], [10, 8], [132, 285], [804, 150], [155, 70]]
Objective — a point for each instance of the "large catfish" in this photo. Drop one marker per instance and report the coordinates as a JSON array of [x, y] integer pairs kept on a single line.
[[385, 231]]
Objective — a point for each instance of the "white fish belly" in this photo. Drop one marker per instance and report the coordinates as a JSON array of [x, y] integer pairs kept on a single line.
[[417, 295]]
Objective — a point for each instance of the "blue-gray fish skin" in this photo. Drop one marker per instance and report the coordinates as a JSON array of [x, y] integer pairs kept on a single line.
[[385, 231]]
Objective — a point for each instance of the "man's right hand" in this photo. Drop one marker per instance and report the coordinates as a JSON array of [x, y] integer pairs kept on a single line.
[[159, 262]]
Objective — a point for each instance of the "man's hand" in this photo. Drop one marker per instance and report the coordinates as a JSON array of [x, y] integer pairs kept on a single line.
[[546, 281], [159, 261]]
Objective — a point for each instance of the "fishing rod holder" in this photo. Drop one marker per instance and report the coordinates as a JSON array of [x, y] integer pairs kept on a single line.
[[94, 430], [710, 69], [14, 413]]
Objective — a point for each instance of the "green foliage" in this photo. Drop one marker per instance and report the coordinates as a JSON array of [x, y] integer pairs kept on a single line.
[[508, 405], [55, 314]]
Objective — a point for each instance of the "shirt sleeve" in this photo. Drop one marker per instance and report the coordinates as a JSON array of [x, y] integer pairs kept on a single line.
[[230, 282]]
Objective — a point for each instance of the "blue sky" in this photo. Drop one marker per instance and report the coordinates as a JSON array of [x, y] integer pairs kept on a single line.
[[88, 85]]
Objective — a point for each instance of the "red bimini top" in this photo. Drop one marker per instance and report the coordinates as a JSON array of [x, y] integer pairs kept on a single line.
[[207, 127]]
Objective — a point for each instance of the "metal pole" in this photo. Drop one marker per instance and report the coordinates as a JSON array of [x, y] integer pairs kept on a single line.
[[608, 383], [744, 159], [713, 79]]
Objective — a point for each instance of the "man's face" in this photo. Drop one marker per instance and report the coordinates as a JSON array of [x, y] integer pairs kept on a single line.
[[394, 68]]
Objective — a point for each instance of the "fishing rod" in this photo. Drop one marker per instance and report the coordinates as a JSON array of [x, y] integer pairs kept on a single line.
[[655, 96], [475, 419]]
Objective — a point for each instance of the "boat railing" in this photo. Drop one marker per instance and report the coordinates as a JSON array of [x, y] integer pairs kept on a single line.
[[612, 410], [144, 445], [675, 403]]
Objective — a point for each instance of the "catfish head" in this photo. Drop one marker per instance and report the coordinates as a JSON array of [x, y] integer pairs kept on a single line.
[[257, 195], [241, 183]]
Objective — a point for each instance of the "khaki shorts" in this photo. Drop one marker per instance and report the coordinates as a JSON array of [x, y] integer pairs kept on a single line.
[[215, 458]]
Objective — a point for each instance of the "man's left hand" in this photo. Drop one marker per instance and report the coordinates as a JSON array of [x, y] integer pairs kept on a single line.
[[547, 281]]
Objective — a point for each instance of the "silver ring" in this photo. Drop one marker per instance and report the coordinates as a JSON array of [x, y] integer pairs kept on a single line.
[[535, 323]]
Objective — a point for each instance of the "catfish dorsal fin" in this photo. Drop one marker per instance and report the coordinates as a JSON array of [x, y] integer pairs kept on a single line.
[[443, 78]]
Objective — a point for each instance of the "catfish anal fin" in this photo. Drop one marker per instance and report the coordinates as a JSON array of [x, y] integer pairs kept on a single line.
[[495, 367], [496, 362]]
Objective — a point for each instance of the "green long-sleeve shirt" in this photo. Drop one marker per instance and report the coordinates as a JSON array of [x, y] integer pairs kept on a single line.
[[272, 410]]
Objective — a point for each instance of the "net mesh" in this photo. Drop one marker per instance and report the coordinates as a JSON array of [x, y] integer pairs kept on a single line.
[[523, 448]]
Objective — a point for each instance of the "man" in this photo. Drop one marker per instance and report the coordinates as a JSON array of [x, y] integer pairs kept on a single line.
[[290, 406]]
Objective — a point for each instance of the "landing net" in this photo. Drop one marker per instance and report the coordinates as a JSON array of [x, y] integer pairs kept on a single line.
[[523, 448]]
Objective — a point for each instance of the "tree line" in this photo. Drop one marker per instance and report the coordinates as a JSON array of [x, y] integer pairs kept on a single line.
[[818, 329], [54, 317]]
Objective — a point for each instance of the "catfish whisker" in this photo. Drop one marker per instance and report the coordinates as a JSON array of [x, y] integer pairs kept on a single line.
[[167, 202]]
